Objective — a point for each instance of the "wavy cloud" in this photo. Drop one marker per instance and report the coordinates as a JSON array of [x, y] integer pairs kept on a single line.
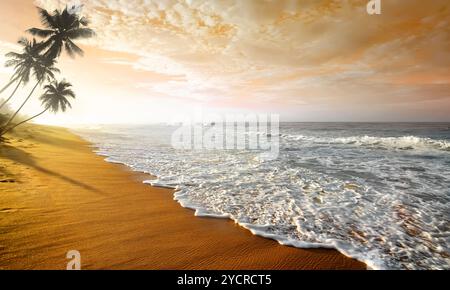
[[285, 52]]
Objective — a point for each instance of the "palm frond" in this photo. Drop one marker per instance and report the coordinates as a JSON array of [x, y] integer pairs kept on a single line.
[[47, 19], [23, 41], [84, 21], [45, 45], [55, 49], [80, 33], [12, 62], [72, 49], [70, 93], [13, 54], [43, 33]]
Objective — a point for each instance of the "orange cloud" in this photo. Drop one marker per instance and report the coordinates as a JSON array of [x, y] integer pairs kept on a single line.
[[286, 54]]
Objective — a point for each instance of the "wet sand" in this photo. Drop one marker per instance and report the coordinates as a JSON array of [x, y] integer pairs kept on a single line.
[[56, 196]]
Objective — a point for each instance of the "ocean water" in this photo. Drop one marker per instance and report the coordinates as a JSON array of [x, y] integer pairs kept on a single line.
[[378, 192]]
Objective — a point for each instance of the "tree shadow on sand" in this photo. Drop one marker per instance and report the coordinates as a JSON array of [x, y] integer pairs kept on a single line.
[[40, 137], [6, 176], [24, 158]]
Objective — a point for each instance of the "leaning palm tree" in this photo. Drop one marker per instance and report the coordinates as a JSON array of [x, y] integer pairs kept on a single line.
[[22, 63], [43, 70], [54, 99], [61, 29]]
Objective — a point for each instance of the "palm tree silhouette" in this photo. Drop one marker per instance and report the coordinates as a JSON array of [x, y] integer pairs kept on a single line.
[[22, 63], [54, 99], [43, 70], [61, 29]]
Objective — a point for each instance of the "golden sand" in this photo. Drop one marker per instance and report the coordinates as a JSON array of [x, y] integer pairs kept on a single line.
[[56, 196]]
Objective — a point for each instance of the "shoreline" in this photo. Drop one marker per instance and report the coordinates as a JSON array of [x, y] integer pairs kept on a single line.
[[59, 196]]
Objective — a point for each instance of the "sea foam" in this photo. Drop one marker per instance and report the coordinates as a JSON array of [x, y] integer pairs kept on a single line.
[[375, 194]]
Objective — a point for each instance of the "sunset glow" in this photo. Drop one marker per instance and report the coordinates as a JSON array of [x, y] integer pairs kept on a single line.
[[306, 60]]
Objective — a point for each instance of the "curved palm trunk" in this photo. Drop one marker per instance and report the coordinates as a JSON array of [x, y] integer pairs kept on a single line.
[[15, 114], [29, 119], [12, 95], [8, 84]]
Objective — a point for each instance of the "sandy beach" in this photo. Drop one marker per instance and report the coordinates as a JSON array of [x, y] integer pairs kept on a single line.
[[56, 196]]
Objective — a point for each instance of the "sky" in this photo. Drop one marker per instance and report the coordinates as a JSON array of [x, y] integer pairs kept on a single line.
[[306, 60]]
